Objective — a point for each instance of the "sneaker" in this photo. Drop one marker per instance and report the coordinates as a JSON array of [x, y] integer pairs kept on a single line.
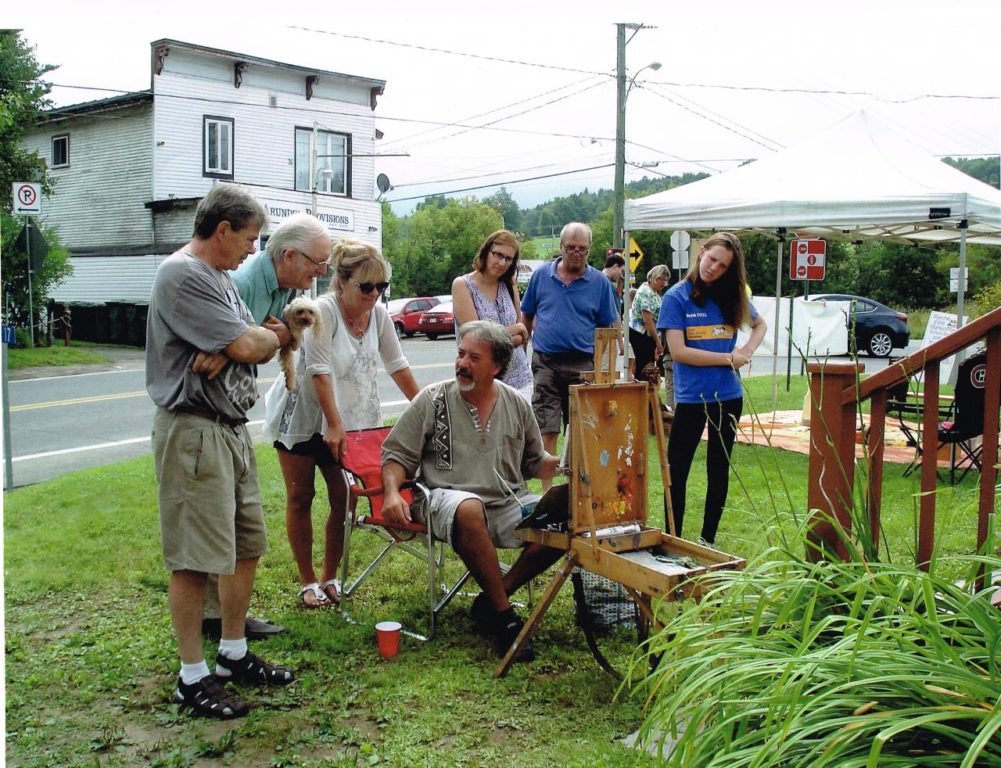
[[255, 629], [251, 670], [507, 627], [707, 544], [483, 613], [208, 698]]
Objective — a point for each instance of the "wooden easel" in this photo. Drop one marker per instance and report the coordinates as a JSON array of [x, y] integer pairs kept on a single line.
[[609, 425]]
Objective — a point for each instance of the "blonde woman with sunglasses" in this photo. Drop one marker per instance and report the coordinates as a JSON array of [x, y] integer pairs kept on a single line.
[[335, 391]]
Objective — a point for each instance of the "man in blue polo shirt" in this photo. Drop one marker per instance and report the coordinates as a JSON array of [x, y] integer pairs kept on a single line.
[[565, 301]]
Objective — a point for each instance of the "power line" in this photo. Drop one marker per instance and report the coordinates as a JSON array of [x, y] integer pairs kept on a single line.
[[506, 117], [722, 125], [827, 92], [496, 109], [500, 184], [449, 52]]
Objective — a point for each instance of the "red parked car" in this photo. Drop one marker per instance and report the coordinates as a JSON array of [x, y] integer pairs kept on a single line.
[[437, 321], [406, 313]]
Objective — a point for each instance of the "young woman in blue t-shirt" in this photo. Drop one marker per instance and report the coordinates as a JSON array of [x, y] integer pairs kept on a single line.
[[702, 315]]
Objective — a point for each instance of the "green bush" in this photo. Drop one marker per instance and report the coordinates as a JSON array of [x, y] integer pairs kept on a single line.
[[793, 663], [988, 298]]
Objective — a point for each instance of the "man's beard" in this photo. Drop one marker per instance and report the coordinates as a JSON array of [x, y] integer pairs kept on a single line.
[[464, 385]]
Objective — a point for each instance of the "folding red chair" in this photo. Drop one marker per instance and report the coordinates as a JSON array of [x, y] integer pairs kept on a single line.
[[363, 475]]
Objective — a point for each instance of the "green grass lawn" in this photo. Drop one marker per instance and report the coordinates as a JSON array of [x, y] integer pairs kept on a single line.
[[91, 660], [33, 357]]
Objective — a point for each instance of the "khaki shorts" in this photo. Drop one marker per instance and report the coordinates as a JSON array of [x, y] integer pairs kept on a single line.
[[554, 375], [444, 503], [210, 501]]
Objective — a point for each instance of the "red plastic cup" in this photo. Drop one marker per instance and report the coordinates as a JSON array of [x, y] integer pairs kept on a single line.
[[388, 635]]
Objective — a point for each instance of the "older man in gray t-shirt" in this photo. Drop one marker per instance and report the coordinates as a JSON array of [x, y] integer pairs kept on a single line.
[[211, 520]]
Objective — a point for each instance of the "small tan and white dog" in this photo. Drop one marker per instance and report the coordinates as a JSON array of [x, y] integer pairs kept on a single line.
[[300, 314]]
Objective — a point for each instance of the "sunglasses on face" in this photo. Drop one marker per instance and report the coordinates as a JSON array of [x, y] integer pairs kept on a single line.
[[369, 287]]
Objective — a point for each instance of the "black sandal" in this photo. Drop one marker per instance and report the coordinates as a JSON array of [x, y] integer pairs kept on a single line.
[[208, 698], [253, 670]]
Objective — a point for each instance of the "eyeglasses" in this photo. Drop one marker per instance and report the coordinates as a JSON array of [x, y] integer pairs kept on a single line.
[[576, 248], [502, 257], [369, 287], [311, 260]]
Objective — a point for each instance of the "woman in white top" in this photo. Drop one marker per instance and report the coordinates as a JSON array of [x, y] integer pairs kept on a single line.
[[335, 391], [490, 292]]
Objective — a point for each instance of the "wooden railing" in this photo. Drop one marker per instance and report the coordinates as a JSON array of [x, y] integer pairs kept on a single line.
[[836, 392]]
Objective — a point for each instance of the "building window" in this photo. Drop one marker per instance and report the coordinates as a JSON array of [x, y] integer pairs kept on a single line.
[[217, 147], [60, 150], [332, 153]]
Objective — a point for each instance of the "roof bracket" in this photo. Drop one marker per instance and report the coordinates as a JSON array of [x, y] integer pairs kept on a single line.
[[239, 67], [159, 54], [311, 80]]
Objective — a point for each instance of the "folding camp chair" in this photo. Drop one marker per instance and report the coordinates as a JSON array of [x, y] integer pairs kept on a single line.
[[363, 475], [909, 409], [966, 420]]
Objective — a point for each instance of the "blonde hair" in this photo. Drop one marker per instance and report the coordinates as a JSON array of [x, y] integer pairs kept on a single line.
[[362, 261]]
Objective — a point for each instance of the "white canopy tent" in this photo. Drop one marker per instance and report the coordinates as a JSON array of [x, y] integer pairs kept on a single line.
[[855, 180]]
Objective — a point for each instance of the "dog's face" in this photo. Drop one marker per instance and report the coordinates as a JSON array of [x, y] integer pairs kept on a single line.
[[301, 313], [302, 317]]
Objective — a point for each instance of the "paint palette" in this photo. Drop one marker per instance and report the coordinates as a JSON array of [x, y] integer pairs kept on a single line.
[[608, 455]]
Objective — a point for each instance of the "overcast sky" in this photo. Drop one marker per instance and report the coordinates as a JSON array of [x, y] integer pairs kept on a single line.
[[738, 79]]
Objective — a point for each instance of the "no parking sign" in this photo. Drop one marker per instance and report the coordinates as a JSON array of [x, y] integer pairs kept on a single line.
[[807, 259], [26, 197]]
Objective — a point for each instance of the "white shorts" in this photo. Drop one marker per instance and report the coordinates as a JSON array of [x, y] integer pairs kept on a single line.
[[444, 503]]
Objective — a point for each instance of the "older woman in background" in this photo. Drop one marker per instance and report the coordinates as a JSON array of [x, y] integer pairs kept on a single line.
[[644, 311], [490, 292], [335, 391]]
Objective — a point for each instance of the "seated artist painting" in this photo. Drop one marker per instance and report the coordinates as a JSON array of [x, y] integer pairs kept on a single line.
[[473, 440]]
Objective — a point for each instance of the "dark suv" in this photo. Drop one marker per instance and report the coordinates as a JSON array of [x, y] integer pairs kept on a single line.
[[878, 329], [406, 313]]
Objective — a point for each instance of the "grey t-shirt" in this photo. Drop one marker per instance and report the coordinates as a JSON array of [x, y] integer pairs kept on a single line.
[[195, 308], [439, 435]]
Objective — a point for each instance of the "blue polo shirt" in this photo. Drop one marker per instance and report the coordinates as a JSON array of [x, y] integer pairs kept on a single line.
[[257, 283], [566, 315], [704, 328]]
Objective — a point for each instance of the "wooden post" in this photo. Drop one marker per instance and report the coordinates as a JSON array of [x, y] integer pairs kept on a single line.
[[832, 456]]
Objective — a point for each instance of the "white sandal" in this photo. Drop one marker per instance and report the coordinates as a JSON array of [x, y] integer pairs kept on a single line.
[[336, 584], [322, 601]]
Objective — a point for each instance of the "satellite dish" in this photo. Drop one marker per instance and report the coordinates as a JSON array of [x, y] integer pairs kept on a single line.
[[382, 182]]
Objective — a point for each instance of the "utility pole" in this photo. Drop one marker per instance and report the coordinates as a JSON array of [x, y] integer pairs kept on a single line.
[[620, 134], [622, 89]]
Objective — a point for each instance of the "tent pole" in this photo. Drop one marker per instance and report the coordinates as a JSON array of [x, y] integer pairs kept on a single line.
[[781, 232], [962, 273]]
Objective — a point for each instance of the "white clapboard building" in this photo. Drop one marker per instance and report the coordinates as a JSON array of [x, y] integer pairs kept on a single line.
[[130, 170]]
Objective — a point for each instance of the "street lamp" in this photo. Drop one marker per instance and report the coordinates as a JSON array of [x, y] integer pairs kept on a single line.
[[618, 215]]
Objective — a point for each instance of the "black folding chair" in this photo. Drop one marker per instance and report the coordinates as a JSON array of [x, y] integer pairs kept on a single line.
[[966, 418]]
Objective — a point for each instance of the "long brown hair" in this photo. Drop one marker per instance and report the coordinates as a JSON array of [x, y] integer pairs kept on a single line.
[[504, 237], [730, 290]]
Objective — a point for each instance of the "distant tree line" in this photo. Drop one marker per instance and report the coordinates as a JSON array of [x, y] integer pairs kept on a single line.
[[438, 241]]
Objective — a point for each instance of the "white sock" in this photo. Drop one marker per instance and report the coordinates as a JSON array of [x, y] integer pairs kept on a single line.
[[233, 649], [192, 673]]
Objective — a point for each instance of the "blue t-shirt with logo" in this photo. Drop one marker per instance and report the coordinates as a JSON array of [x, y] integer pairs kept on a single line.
[[703, 328]]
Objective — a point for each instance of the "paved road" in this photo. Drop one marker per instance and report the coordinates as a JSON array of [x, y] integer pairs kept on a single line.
[[68, 419]]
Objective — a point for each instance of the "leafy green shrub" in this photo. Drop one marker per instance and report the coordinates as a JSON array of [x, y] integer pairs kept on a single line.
[[988, 298], [792, 663]]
